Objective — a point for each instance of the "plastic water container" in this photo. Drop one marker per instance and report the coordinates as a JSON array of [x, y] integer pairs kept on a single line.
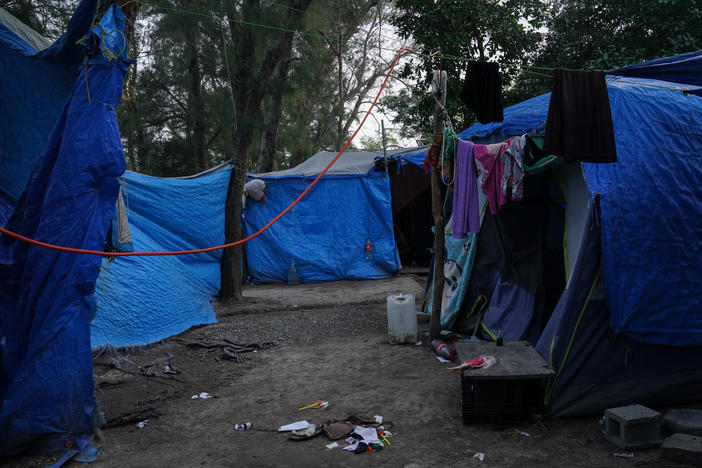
[[293, 279], [402, 319]]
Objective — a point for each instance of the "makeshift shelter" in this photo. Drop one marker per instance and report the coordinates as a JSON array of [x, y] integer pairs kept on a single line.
[[599, 265], [324, 236], [61, 156]]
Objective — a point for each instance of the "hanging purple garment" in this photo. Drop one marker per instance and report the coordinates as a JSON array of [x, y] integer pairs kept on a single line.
[[466, 214]]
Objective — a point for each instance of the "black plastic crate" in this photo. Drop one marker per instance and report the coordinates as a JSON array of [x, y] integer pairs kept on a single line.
[[496, 402]]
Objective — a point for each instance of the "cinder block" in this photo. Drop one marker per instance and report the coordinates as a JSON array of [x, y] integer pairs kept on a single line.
[[683, 448], [633, 427], [683, 420]]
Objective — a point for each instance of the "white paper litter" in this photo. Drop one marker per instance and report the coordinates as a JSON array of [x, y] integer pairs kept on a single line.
[[418, 343], [442, 359], [525, 434], [296, 426], [142, 423], [202, 395], [333, 445], [480, 456], [378, 419], [351, 444], [369, 434]]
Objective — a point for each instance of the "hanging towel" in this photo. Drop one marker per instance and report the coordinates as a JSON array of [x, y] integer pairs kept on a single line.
[[466, 212], [579, 123], [482, 91]]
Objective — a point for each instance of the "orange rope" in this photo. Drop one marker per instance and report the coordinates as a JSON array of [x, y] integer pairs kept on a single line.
[[232, 244]]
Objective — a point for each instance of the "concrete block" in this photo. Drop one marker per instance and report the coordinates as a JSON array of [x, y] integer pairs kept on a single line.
[[683, 420], [633, 427], [683, 448]]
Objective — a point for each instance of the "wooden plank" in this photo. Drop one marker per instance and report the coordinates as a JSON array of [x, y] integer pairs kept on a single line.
[[515, 360]]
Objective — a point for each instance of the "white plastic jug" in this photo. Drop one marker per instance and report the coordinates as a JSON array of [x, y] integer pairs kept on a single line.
[[402, 319]]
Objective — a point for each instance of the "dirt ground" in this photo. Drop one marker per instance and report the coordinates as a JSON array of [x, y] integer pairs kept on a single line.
[[330, 344]]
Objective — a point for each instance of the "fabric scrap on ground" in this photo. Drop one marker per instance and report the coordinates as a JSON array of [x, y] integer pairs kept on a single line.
[[158, 367], [230, 349]]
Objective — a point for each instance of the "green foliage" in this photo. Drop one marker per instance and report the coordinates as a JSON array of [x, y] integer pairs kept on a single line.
[[503, 31], [48, 18], [606, 34]]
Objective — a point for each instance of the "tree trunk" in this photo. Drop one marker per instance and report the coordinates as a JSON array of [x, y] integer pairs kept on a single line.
[[196, 102], [249, 87], [340, 104], [437, 206], [269, 136], [132, 135]]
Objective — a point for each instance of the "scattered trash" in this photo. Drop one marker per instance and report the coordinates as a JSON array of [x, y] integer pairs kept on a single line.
[[339, 428], [296, 426], [518, 432], [320, 404], [333, 445], [143, 423], [243, 427], [624, 455], [442, 359], [168, 369], [442, 349], [305, 434], [480, 456], [418, 343], [203, 395], [481, 362], [378, 419]]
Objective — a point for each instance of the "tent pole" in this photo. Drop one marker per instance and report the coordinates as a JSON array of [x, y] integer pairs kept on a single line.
[[437, 210]]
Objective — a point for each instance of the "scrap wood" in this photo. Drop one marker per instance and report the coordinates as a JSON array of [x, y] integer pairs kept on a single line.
[[230, 349]]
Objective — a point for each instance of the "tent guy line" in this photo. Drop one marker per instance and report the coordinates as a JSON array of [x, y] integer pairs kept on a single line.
[[246, 239]]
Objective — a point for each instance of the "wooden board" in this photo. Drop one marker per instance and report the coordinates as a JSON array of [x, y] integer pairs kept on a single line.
[[515, 360]]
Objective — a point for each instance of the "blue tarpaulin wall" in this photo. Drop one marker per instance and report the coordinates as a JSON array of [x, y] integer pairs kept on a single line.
[[46, 301], [145, 299], [596, 369], [326, 232], [34, 86], [651, 210]]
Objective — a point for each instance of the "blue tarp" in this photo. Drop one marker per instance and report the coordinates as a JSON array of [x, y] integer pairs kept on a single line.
[[683, 69], [651, 210], [596, 369], [46, 302], [145, 299], [325, 234], [34, 87]]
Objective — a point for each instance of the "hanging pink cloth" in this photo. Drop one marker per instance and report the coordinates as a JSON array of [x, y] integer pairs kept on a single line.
[[488, 158]]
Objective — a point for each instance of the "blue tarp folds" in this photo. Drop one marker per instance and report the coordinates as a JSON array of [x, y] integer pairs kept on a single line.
[[325, 234], [683, 68], [652, 215], [34, 87], [651, 210], [145, 299], [597, 369], [46, 302]]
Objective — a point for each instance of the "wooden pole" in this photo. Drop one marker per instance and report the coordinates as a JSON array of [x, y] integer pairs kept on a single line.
[[437, 206]]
